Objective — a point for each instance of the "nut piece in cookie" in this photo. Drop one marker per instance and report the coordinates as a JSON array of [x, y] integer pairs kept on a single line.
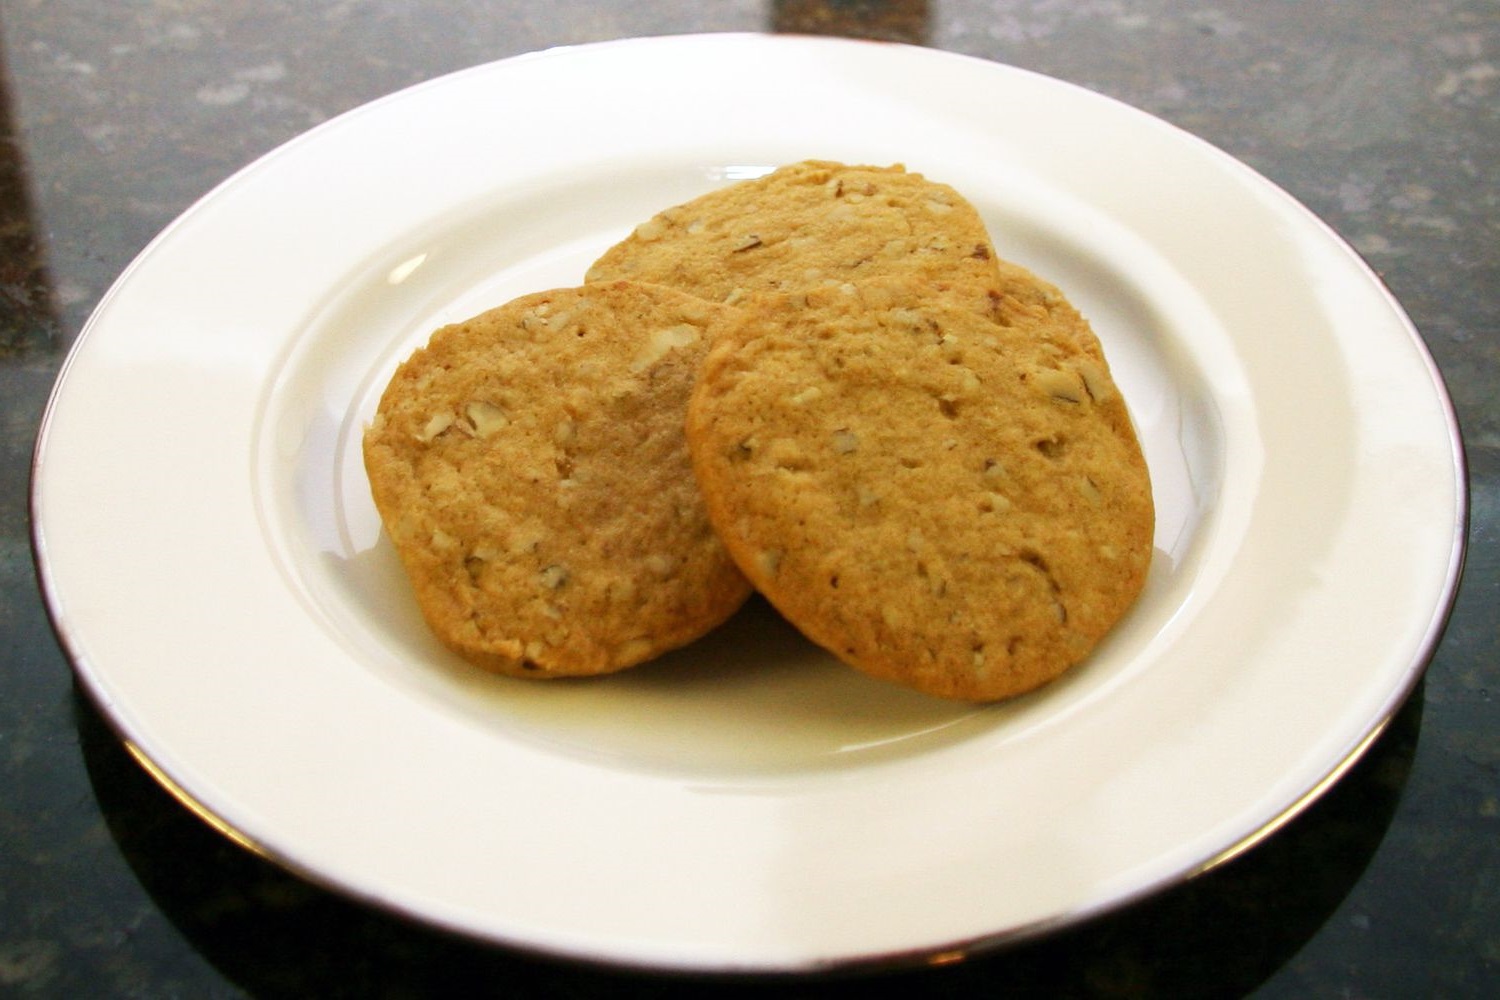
[[938, 499], [529, 464]]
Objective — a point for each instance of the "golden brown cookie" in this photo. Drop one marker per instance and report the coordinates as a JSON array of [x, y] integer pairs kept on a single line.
[[807, 224], [936, 498], [530, 467], [1022, 299]]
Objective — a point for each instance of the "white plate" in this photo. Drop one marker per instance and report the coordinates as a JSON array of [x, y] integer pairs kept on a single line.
[[215, 568]]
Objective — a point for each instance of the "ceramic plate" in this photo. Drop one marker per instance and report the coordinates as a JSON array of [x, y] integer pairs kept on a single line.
[[216, 570]]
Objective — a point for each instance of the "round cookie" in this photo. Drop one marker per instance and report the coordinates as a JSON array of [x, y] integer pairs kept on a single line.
[[938, 499], [810, 223], [530, 467]]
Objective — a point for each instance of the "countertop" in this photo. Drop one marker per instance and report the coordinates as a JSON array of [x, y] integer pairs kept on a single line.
[[1383, 117]]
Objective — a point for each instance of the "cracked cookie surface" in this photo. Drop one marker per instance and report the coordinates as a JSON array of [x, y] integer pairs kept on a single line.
[[950, 501], [530, 467]]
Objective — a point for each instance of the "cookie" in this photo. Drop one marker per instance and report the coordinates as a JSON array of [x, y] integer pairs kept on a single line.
[[1013, 297], [938, 499], [530, 467], [1021, 298], [807, 224]]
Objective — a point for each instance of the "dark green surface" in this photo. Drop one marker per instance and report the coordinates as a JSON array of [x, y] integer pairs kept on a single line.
[[1380, 116]]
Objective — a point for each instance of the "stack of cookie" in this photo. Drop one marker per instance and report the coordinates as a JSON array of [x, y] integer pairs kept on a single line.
[[823, 384]]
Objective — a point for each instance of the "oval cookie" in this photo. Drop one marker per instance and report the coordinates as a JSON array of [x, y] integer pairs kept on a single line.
[[810, 223], [529, 465], [938, 499]]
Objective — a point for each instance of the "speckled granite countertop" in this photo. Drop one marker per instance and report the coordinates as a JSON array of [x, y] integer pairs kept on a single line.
[[1383, 117]]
